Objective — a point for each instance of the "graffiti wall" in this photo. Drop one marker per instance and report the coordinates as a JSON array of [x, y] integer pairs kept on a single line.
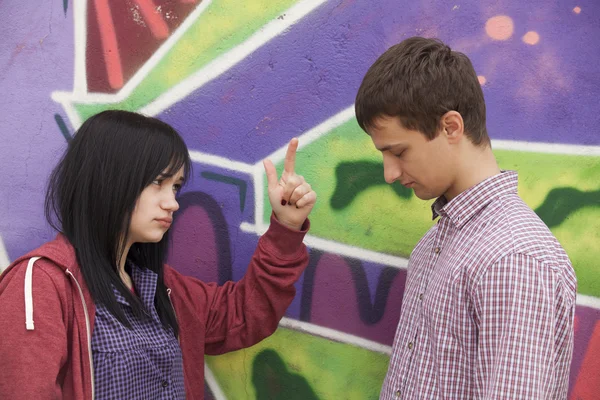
[[238, 79]]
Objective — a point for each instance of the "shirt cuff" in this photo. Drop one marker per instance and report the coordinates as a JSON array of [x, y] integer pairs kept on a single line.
[[284, 242]]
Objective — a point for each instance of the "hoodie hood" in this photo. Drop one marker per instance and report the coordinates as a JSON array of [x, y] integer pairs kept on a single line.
[[60, 251]]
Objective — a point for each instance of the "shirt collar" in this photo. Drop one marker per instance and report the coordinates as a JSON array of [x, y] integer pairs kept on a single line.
[[464, 206], [145, 282]]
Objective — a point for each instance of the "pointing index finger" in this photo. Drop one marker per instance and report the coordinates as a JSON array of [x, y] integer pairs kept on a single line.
[[290, 156]]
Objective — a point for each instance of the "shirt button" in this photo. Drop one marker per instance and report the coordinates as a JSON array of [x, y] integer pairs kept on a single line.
[[436, 250], [410, 346], [421, 296], [165, 384], [397, 394]]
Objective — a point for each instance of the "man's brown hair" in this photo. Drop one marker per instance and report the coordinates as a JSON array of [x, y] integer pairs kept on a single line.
[[418, 81]]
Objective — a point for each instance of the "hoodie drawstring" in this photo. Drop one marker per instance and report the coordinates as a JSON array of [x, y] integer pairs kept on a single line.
[[29, 294], [88, 328]]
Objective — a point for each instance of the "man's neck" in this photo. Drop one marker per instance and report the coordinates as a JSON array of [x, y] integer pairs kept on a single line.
[[476, 166]]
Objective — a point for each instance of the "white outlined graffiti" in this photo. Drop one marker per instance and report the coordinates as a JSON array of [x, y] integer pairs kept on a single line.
[[253, 169], [188, 85]]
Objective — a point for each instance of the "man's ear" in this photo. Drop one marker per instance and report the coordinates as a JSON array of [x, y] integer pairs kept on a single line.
[[452, 126]]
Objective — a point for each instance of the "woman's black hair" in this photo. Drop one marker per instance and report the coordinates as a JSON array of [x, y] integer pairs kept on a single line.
[[93, 191]]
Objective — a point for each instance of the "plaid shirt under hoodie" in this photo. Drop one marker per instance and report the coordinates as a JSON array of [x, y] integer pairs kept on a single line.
[[489, 304], [144, 362]]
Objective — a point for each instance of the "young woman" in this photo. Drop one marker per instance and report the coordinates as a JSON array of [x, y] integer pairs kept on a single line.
[[96, 314]]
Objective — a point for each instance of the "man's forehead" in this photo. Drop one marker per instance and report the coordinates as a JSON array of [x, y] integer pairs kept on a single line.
[[384, 121], [384, 139]]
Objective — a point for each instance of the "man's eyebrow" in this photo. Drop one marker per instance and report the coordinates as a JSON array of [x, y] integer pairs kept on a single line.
[[388, 147]]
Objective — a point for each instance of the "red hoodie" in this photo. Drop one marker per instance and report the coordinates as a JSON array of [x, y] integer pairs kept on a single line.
[[52, 358]]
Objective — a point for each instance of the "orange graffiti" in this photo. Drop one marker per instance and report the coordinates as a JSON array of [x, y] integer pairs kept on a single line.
[[110, 46], [154, 19], [499, 27], [531, 38]]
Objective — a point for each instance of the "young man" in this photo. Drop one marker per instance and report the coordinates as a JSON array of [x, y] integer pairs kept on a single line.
[[490, 294]]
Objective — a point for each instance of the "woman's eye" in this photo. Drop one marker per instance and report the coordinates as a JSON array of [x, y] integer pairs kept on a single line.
[[176, 188], [156, 182]]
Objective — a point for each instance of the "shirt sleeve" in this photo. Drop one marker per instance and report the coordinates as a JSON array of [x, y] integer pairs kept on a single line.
[[524, 314], [240, 314]]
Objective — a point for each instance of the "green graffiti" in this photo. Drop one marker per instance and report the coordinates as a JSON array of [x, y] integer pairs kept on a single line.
[[562, 202], [369, 215], [318, 367], [273, 381], [355, 177]]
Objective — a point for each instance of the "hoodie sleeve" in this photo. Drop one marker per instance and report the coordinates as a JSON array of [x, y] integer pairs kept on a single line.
[[31, 359], [240, 314]]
